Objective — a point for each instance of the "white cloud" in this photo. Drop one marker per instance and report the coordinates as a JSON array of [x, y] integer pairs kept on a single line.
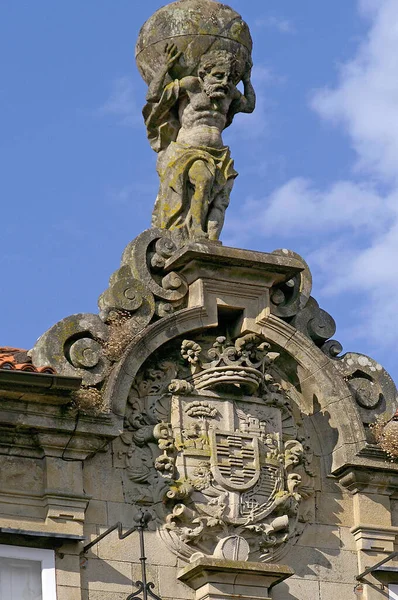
[[368, 7], [366, 99], [298, 208], [351, 227], [121, 103], [347, 210], [366, 103]]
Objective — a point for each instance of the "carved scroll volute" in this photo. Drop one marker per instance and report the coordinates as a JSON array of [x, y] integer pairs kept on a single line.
[[74, 347], [292, 302], [372, 388], [146, 256], [128, 297], [314, 322], [291, 297]]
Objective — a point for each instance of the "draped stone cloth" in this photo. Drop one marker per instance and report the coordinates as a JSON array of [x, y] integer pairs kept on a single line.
[[172, 206]]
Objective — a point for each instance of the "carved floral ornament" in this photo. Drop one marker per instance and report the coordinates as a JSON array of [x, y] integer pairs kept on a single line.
[[211, 444]]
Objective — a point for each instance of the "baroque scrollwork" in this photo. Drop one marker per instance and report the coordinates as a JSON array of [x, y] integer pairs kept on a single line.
[[292, 302], [220, 456], [140, 291], [74, 347], [372, 388]]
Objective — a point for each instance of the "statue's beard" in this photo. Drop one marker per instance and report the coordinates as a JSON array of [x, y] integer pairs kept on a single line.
[[215, 90]]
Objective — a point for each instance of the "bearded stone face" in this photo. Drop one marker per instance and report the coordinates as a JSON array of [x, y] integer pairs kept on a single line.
[[217, 83]]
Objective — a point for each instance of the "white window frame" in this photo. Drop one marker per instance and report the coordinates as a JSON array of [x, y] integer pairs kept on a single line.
[[393, 591], [47, 560]]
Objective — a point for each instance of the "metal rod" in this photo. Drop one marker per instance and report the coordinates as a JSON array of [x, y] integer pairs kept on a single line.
[[144, 587], [142, 519], [119, 527], [382, 562], [143, 561]]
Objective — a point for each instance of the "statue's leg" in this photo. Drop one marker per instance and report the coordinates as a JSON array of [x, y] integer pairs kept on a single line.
[[217, 211], [202, 180]]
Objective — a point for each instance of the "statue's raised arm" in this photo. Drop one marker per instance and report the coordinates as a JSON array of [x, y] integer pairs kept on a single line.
[[157, 85], [192, 97], [160, 113], [246, 102]]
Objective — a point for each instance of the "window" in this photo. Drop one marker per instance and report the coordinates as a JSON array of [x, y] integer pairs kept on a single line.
[[27, 573], [393, 588]]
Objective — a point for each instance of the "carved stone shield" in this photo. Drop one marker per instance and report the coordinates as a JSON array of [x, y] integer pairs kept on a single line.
[[256, 501], [235, 461]]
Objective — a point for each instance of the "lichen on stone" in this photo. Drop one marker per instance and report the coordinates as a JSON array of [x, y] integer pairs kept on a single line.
[[89, 400]]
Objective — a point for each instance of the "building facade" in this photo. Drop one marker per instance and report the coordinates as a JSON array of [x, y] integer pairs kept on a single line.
[[203, 437], [232, 421]]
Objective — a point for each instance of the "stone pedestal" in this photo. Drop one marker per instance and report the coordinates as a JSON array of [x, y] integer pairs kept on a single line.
[[215, 579], [231, 279]]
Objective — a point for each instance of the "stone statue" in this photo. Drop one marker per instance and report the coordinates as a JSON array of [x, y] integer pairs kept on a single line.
[[185, 120], [186, 112]]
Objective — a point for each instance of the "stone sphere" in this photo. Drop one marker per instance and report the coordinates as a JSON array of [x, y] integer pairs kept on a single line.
[[195, 27]]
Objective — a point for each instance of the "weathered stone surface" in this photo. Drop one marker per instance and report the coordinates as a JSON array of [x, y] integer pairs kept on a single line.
[[68, 571], [73, 347], [97, 595], [102, 481], [214, 579], [347, 539], [107, 576], [292, 295], [96, 513], [331, 591], [207, 450], [334, 509], [169, 585], [241, 280], [372, 387], [292, 301], [112, 548], [217, 292], [197, 26], [372, 510], [314, 322], [374, 538], [320, 536], [146, 256], [68, 593], [19, 473], [298, 589]]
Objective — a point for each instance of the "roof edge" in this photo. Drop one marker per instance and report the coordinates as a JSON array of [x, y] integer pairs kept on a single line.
[[41, 382]]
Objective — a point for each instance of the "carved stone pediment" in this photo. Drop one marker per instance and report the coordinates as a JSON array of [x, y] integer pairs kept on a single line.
[[210, 442]]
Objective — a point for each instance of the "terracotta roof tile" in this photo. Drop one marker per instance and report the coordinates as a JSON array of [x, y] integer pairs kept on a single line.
[[16, 359]]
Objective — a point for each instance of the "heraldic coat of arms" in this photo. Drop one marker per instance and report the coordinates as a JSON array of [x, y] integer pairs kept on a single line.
[[214, 448]]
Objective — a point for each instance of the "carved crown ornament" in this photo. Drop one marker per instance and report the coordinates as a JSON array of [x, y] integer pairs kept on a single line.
[[242, 363], [211, 444]]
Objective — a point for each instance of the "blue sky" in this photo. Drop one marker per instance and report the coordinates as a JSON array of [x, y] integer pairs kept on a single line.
[[318, 160]]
